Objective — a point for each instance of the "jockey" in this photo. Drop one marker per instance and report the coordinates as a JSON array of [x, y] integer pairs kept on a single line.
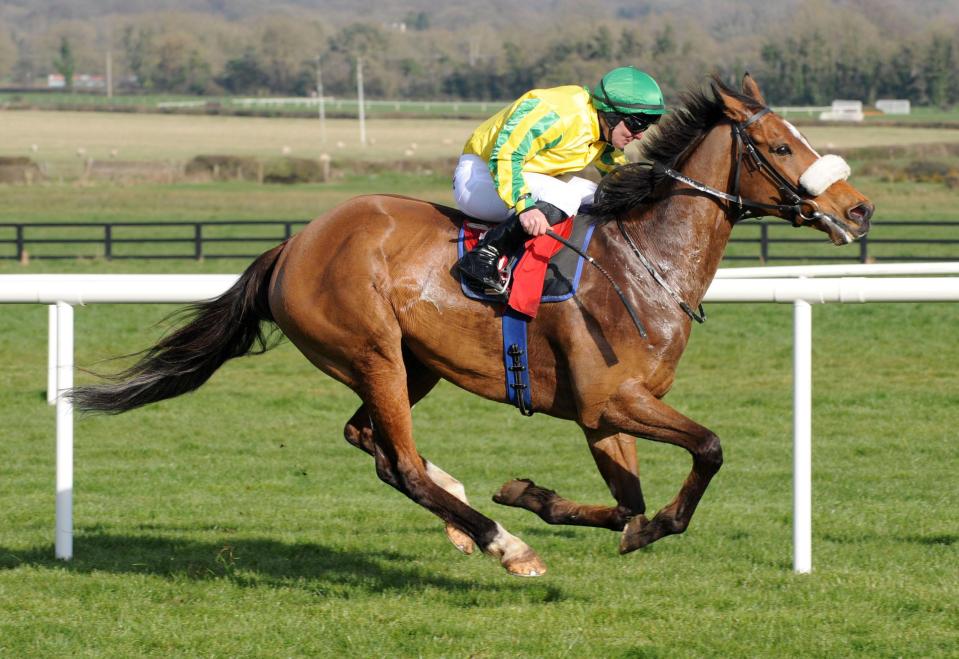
[[508, 173]]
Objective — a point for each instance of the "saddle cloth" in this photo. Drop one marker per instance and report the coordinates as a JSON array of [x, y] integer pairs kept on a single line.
[[546, 270]]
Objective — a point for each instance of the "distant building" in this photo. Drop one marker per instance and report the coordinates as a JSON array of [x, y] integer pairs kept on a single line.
[[80, 81], [894, 105], [843, 111]]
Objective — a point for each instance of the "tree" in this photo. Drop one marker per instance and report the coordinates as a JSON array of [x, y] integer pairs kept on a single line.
[[244, 74], [65, 64]]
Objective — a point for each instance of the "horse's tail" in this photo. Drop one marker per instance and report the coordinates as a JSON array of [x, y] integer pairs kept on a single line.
[[218, 330]]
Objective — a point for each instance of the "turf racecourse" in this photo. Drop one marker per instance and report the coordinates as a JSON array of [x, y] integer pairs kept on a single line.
[[237, 522]]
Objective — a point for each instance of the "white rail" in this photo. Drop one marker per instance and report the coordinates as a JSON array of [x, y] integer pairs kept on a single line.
[[63, 291]]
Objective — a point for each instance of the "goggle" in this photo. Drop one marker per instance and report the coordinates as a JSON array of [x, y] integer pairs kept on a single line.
[[634, 123]]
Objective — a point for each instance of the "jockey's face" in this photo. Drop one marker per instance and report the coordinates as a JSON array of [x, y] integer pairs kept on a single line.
[[621, 135]]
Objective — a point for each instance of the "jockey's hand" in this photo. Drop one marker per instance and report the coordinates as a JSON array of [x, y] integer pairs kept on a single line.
[[534, 222]]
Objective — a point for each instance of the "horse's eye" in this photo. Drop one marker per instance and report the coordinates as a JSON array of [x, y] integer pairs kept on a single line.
[[782, 150]]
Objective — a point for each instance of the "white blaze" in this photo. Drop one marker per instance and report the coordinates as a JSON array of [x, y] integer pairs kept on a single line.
[[799, 136]]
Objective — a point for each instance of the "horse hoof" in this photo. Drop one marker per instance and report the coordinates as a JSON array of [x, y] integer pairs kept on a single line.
[[527, 564], [460, 540], [511, 492], [633, 537]]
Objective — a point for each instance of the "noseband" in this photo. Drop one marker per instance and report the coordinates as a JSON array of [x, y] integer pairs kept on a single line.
[[794, 205]]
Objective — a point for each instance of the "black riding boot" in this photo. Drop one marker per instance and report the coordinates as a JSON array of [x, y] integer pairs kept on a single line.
[[481, 264]]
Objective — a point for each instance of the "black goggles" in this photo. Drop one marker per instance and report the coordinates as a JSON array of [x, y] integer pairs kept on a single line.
[[637, 123]]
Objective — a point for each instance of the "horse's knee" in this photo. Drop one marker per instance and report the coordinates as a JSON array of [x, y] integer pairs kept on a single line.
[[710, 453]]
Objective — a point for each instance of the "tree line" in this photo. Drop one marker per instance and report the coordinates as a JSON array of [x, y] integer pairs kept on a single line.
[[828, 52]]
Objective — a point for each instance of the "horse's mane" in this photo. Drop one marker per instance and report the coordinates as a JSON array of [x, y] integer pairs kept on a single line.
[[629, 185]]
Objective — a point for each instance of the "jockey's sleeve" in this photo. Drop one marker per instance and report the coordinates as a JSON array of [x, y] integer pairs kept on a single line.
[[609, 159], [533, 126]]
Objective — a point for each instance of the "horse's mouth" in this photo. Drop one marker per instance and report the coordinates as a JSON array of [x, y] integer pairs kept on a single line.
[[839, 232]]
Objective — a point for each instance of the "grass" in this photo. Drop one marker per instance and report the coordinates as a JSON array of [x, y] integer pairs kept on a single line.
[[236, 521]]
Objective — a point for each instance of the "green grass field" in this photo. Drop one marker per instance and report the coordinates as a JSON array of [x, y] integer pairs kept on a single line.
[[236, 521]]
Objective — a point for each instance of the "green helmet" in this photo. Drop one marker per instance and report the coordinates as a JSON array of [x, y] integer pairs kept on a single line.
[[627, 90]]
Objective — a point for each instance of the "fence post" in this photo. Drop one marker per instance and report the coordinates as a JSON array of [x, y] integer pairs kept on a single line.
[[198, 241], [763, 243], [802, 436], [20, 243], [108, 241], [63, 541], [287, 230], [864, 249]]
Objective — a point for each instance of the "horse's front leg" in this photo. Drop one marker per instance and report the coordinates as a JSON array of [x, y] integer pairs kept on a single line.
[[634, 410], [615, 456]]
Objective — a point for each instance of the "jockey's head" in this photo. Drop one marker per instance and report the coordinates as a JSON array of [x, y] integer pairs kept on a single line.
[[629, 96]]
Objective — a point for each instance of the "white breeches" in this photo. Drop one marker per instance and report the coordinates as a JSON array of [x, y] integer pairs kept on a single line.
[[475, 192]]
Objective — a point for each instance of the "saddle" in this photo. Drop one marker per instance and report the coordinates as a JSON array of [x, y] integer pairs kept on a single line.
[[543, 270]]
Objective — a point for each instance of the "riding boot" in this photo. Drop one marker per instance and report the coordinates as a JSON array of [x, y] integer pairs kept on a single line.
[[481, 264]]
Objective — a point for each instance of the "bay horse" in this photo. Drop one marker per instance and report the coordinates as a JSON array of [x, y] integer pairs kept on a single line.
[[368, 293]]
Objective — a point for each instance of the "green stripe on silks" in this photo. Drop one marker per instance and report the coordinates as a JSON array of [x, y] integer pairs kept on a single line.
[[522, 149], [606, 157], [506, 131]]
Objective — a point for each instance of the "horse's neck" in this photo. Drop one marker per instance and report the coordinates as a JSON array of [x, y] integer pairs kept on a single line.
[[685, 234]]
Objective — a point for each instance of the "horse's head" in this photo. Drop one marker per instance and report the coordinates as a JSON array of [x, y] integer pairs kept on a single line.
[[778, 167]]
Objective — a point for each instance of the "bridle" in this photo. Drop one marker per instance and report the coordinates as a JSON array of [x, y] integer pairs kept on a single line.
[[793, 203]]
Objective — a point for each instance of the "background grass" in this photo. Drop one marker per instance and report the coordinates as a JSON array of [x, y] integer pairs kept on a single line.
[[236, 521]]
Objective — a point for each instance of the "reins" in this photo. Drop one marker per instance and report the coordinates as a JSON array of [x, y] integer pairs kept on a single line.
[[744, 209]]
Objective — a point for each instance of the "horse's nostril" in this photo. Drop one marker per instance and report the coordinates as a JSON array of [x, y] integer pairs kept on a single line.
[[861, 213]]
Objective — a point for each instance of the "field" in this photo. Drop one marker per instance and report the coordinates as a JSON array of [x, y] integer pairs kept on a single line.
[[64, 139], [237, 522]]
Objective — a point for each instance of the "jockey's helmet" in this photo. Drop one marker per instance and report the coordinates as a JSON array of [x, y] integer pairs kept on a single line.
[[627, 91]]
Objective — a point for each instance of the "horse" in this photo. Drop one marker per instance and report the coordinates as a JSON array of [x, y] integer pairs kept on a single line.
[[368, 293]]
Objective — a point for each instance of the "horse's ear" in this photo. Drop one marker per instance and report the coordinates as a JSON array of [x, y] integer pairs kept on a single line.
[[750, 88], [733, 107]]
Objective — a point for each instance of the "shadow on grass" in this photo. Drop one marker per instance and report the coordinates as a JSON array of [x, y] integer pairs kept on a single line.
[[256, 562]]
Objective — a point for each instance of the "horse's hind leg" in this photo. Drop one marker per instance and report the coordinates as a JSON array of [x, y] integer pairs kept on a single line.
[[383, 390], [615, 456], [359, 432]]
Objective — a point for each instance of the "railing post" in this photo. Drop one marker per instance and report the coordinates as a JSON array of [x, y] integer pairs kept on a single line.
[[763, 243], [20, 243], [802, 437], [864, 249], [108, 241], [198, 241], [287, 230], [63, 541]]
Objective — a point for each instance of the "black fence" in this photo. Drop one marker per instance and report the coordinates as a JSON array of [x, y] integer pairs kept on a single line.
[[758, 241]]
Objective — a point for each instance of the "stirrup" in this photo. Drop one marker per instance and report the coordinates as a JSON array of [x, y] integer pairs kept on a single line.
[[494, 278]]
